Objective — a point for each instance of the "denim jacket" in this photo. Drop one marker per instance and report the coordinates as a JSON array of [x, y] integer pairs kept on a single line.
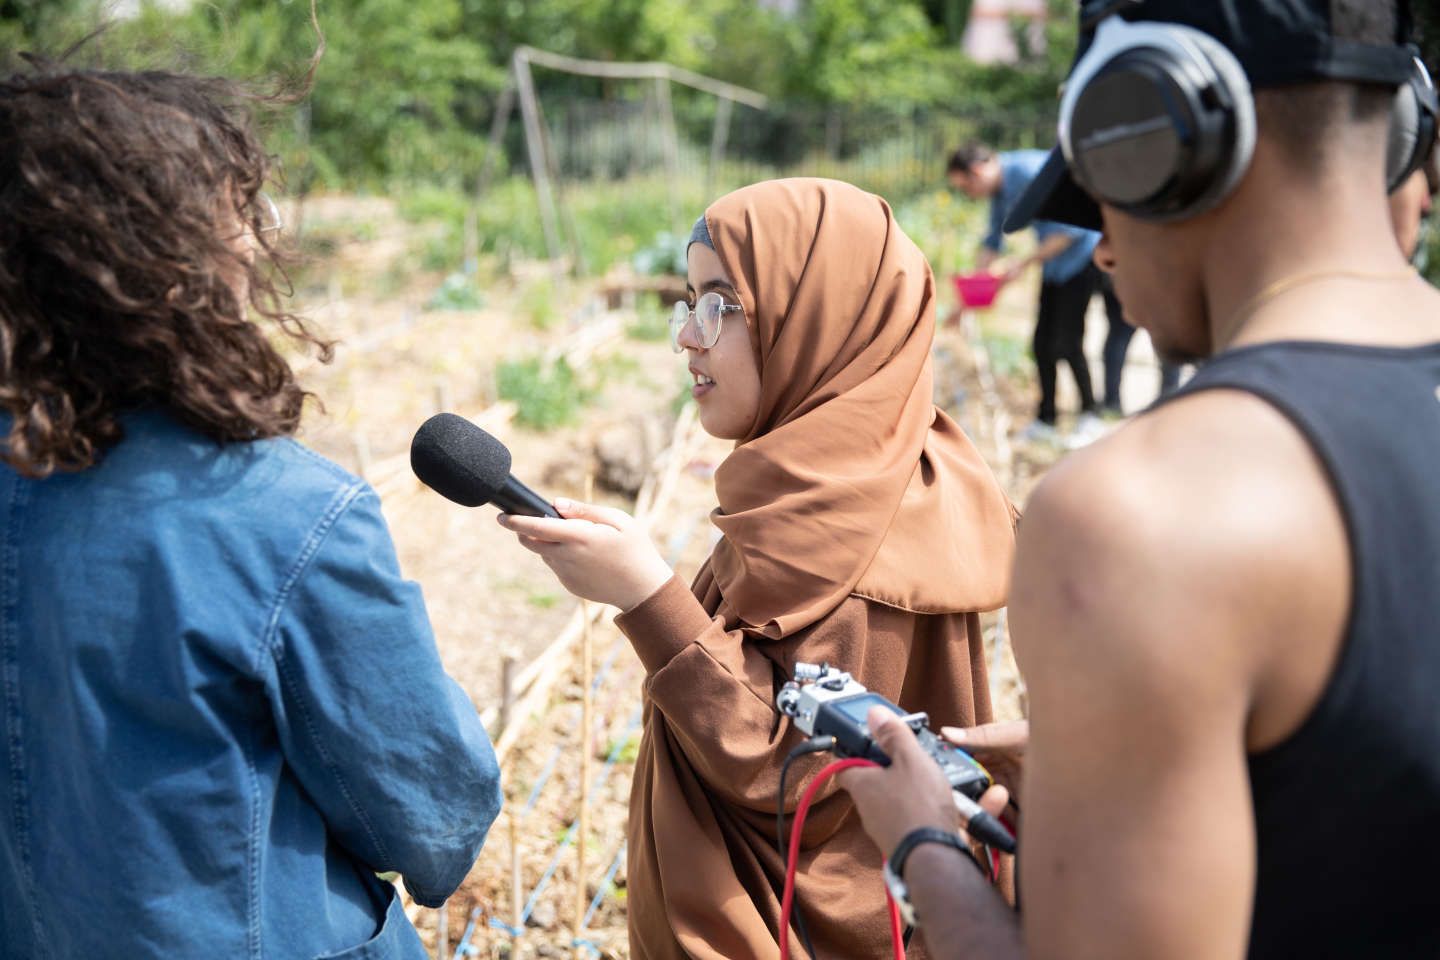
[[223, 711]]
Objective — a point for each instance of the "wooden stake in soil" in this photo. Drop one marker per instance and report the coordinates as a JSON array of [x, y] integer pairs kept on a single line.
[[472, 243], [442, 932], [507, 689], [587, 751]]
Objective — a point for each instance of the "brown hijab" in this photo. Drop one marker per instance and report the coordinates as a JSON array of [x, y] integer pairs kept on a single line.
[[850, 480]]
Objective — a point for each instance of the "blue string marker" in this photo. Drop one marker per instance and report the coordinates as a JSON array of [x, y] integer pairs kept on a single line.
[[464, 948]]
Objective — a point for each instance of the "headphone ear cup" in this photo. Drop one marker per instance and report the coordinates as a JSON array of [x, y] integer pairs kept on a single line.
[[1129, 132], [1406, 149], [1165, 128], [1413, 121]]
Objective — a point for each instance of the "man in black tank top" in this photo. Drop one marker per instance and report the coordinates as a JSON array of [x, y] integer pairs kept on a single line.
[[1228, 611]]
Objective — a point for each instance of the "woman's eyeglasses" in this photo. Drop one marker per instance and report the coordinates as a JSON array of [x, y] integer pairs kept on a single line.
[[269, 221], [709, 310]]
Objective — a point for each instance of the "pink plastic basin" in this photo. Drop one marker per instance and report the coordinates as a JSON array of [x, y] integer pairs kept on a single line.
[[976, 289]]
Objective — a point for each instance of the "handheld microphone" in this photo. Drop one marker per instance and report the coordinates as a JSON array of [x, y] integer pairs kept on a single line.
[[465, 464]]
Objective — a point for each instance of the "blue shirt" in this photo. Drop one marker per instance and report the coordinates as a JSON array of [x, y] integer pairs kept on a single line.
[[1017, 169], [223, 711]]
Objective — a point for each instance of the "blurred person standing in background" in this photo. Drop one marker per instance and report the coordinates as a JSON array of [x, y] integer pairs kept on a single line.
[[980, 173], [1067, 281]]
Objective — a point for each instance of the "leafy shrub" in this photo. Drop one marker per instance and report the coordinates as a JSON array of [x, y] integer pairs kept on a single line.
[[1009, 356], [537, 303], [456, 292], [664, 255], [947, 228], [625, 752], [545, 397], [650, 326], [542, 600]]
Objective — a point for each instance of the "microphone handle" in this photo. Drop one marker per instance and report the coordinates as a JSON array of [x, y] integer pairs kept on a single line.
[[517, 498]]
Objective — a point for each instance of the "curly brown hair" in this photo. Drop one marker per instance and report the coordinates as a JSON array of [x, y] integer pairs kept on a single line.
[[125, 271]]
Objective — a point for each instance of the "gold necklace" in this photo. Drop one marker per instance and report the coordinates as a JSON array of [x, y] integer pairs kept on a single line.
[[1247, 309]]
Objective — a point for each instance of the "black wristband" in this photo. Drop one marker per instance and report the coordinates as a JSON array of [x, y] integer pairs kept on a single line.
[[919, 835]]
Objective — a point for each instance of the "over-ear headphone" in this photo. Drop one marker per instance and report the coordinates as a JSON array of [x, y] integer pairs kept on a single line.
[[1157, 119], [1413, 124]]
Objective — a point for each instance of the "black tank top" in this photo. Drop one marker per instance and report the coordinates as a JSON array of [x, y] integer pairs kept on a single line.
[[1347, 810]]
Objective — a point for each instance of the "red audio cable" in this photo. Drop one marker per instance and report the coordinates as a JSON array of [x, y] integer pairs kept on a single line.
[[787, 901]]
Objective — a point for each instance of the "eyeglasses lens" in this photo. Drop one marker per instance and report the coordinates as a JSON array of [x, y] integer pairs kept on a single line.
[[269, 214], [707, 318], [679, 314]]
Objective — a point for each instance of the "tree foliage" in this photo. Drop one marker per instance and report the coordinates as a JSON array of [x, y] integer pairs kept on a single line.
[[27, 24], [405, 86]]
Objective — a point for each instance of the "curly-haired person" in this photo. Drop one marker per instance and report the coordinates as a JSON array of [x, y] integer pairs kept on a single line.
[[223, 708]]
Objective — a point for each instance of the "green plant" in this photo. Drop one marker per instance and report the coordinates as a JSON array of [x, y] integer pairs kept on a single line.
[[611, 366], [545, 397], [427, 203], [609, 220], [542, 600], [537, 304], [946, 227], [394, 280], [648, 325], [1430, 255], [628, 750], [456, 292], [442, 248], [664, 255], [1007, 354], [444, 63]]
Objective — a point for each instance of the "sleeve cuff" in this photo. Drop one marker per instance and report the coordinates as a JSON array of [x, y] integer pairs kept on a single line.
[[664, 623]]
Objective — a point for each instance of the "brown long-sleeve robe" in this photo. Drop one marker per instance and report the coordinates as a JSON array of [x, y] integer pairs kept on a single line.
[[703, 871]]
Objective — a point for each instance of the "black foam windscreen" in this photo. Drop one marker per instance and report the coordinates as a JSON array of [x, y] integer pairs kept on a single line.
[[458, 460]]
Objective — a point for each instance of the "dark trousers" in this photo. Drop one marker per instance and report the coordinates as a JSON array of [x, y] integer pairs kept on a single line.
[[1060, 335], [1117, 341]]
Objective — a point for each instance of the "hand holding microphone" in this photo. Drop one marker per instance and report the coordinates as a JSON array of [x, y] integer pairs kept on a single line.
[[598, 553]]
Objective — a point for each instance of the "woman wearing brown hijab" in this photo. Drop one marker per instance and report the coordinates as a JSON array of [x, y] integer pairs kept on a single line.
[[860, 527]]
